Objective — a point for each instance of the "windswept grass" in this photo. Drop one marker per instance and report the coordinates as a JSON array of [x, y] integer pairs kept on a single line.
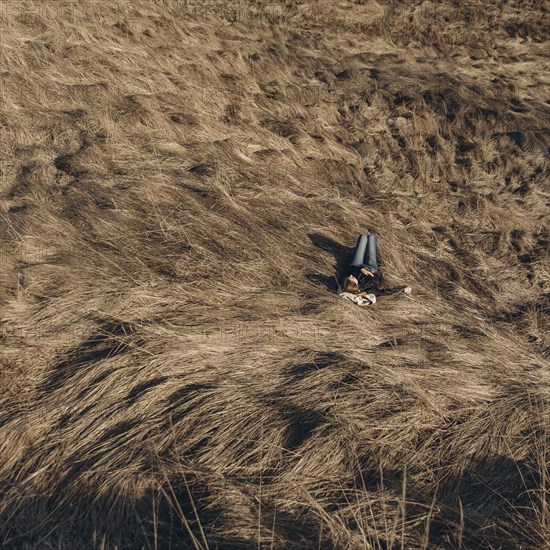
[[180, 184]]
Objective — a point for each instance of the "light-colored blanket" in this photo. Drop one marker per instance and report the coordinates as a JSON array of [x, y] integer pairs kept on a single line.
[[365, 300]]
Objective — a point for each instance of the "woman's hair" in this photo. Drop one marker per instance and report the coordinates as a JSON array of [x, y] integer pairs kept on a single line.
[[350, 285]]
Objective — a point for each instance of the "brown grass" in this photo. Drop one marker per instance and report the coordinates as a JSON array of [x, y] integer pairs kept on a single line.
[[181, 182]]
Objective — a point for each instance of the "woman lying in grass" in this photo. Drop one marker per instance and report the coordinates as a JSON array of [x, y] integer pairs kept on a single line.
[[362, 283]]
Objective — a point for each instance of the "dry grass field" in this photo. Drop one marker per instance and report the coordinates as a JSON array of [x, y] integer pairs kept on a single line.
[[181, 181]]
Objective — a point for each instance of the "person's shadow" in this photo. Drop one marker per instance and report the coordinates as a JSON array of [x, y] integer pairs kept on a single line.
[[342, 256]]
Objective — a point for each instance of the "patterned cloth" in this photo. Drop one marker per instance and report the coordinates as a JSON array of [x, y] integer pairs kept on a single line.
[[365, 300]]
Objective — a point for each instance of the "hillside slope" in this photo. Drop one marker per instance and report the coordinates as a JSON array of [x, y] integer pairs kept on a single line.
[[181, 183]]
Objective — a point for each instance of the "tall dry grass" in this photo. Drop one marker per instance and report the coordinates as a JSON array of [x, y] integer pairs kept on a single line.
[[181, 182]]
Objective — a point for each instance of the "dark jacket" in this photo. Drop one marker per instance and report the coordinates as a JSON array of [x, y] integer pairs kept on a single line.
[[373, 285]]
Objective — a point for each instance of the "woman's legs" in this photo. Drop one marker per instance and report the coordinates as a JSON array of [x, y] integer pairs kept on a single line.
[[360, 250], [370, 257]]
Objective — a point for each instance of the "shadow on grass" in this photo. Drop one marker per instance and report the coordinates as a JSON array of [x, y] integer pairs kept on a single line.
[[474, 509], [185, 513], [342, 257]]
